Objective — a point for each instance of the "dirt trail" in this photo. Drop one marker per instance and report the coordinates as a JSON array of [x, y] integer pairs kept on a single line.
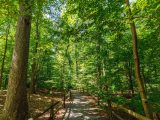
[[81, 107]]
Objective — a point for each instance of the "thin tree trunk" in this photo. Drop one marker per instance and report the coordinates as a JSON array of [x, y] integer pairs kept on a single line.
[[4, 56], [16, 105], [76, 60], [34, 65], [62, 76], [137, 64], [130, 78], [70, 64], [99, 67], [70, 71], [98, 47]]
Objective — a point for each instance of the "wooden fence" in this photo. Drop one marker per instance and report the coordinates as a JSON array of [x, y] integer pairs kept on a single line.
[[110, 105], [54, 107]]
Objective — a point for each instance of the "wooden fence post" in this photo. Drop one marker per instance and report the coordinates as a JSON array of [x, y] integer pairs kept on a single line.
[[51, 113], [64, 99], [70, 95], [110, 109], [98, 99], [52, 108]]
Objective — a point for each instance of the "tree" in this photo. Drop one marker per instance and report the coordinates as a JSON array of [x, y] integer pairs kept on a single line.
[[137, 64], [35, 64], [4, 56], [16, 106], [86, 44]]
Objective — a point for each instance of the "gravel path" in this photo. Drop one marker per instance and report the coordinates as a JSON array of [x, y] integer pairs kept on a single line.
[[81, 107]]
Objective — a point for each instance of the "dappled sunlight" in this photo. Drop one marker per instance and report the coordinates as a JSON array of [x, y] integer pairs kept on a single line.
[[36, 95], [93, 108], [46, 97], [39, 102], [81, 108], [44, 117], [75, 115], [3, 95], [38, 111], [1, 105], [39, 98]]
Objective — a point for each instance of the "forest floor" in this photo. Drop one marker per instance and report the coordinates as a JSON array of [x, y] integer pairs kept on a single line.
[[81, 106], [2, 99], [37, 102], [84, 107]]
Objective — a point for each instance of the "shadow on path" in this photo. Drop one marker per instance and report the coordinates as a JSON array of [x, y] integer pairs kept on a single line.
[[81, 107]]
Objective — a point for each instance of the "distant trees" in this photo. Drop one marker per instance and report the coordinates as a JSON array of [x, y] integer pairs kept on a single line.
[[35, 64], [4, 55], [115, 58], [82, 43], [34, 74]]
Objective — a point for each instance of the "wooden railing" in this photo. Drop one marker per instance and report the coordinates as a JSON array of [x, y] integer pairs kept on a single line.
[[54, 107], [66, 96], [110, 105]]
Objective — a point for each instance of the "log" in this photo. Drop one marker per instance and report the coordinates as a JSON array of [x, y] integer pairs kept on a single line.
[[130, 112]]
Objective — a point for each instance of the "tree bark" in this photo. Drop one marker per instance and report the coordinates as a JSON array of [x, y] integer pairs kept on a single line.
[[16, 105], [137, 64], [62, 76], [4, 56], [70, 72], [76, 60], [99, 64]]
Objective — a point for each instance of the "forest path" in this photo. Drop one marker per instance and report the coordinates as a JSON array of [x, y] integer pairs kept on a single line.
[[81, 107]]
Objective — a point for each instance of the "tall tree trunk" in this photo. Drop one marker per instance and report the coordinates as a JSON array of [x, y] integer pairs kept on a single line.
[[4, 56], [70, 70], [137, 64], [70, 65], [99, 67], [76, 60], [62, 76], [34, 65], [16, 105]]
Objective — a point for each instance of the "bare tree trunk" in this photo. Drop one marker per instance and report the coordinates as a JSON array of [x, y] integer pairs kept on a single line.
[[76, 60], [70, 65], [16, 105], [62, 76], [99, 67], [137, 64], [34, 65], [4, 56], [130, 78]]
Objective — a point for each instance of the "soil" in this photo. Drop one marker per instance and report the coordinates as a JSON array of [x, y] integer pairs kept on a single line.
[[81, 106]]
